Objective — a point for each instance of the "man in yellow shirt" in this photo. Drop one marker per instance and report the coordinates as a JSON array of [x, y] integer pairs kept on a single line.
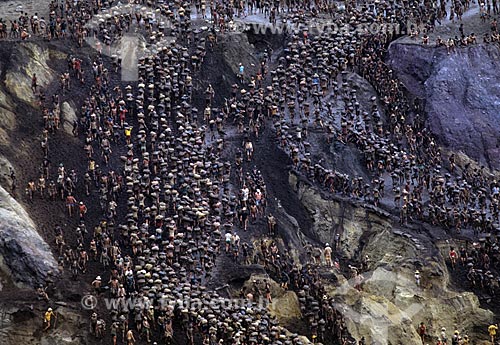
[[128, 134], [492, 330], [48, 318]]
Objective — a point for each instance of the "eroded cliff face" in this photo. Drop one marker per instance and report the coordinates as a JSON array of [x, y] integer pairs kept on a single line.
[[390, 305], [461, 92]]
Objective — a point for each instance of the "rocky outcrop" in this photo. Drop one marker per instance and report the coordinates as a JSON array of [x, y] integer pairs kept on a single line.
[[286, 307], [7, 118], [462, 94], [24, 255], [68, 117], [5, 168], [285, 304], [354, 224], [26, 60], [22, 325], [287, 310], [389, 306]]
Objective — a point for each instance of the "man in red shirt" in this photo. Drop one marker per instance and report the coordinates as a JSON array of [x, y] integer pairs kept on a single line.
[[83, 210]]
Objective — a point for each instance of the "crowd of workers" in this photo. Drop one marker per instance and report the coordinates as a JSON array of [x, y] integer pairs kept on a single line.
[[166, 205]]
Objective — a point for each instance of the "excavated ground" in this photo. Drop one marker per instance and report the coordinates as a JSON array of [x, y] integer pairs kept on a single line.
[[67, 149]]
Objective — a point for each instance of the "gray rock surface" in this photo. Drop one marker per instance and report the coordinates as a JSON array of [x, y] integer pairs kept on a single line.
[[5, 167], [462, 92], [24, 255], [68, 117]]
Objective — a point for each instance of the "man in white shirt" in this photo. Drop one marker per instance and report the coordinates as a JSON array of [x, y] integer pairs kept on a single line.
[[228, 237]]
